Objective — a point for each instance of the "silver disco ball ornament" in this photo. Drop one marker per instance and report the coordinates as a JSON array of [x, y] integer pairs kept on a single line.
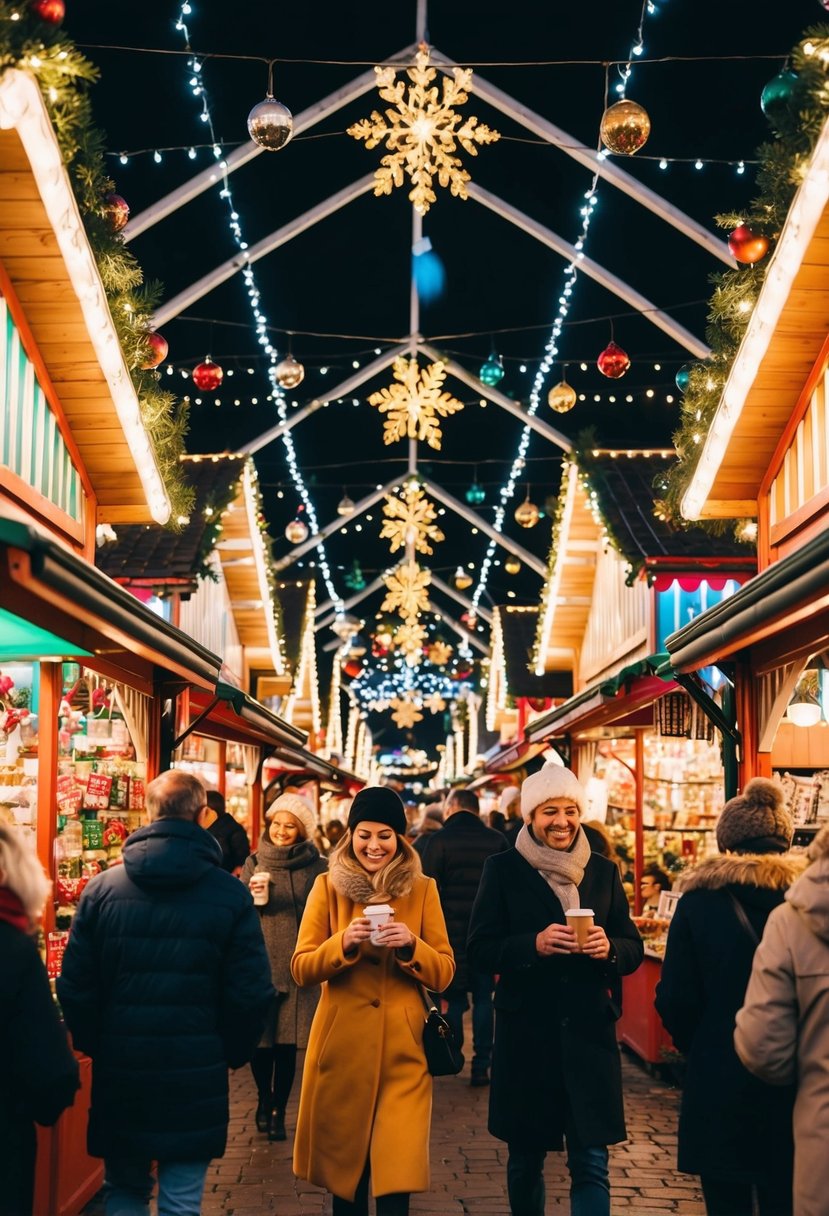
[[270, 124]]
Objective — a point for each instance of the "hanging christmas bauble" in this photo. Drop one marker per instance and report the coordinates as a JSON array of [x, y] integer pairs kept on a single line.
[[345, 506], [613, 362], [779, 93], [462, 579], [289, 373], [50, 11], [270, 124], [116, 212], [492, 372], [683, 377], [561, 397], [528, 514], [469, 619], [296, 531], [157, 351], [625, 127], [475, 495], [512, 565], [207, 376], [747, 246], [352, 667]]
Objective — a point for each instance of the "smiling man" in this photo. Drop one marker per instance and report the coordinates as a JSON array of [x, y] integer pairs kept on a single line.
[[556, 1075]]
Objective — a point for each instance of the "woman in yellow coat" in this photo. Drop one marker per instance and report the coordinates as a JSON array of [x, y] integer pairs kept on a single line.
[[366, 1101]]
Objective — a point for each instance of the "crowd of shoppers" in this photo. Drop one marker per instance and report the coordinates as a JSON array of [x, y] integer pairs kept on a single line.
[[176, 971]]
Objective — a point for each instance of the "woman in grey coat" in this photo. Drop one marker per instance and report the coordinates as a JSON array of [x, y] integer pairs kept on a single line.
[[292, 863]]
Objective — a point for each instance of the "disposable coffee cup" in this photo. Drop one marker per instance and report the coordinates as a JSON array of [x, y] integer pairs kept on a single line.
[[580, 920], [260, 887], [378, 915]]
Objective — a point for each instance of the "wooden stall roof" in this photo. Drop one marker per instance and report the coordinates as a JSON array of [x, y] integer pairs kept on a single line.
[[778, 377], [580, 540], [47, 288]]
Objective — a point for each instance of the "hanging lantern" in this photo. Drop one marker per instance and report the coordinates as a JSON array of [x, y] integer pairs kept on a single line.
[[747, 246], [157, 351], [475, 495], [50, 11], [116, 212], [345, 506], [207, 376], [296, 531], [462, 579], [289, 373], [469, 619], [779, 94], [561, 397], [492, 372], [613, 362], [355, 579], [528, 514], [625, 127], [270, 124], [512, 565], [683, 377]]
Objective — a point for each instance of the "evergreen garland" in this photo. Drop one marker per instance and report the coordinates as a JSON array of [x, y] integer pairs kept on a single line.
[[782, 166], [64, 76]]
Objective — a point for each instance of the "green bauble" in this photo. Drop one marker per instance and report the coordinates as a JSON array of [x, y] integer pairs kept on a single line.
[[492, 372], [683, 377], [779, 95], [475, 495]]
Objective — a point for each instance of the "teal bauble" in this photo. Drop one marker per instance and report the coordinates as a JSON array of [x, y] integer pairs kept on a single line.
[[492, 372], [683, 377], [779, 94], [476, 494]]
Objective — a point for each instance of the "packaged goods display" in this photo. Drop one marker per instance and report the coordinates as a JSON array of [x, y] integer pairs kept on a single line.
[[208, 759]]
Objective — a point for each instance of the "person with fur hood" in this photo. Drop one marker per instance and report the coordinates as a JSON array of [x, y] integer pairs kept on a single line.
[[734, 1130], [782, 1033]]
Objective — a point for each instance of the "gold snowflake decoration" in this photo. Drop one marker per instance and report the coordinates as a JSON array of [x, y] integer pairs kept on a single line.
[[415, 403], [409, 520], [409, 639], [422, 132], [434, 703], [405, 712], [439, 653], [406, 588]]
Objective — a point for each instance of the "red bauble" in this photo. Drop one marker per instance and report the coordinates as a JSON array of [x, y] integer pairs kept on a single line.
[[208, 376], [50, 11], [613, 362], [746, 246], [158, 351], [352, 667], [116, 212]]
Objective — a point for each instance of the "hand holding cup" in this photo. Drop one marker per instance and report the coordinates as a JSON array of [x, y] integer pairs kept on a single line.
[[556, 939]]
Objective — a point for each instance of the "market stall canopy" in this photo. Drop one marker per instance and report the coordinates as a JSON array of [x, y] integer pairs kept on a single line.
[[785, 339], [299, 764], [229, 713], [617, 701], [63, 317]]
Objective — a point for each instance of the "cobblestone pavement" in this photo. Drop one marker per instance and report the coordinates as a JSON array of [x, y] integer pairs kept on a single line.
[[254, 1177]]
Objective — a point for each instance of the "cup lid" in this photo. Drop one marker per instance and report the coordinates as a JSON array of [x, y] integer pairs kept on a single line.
[[579, 912], [373, 909]]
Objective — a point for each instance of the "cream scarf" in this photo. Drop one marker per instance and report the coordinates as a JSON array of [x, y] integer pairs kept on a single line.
[[562, 869]]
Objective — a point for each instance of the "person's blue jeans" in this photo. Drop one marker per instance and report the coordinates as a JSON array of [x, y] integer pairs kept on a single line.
[[128, 1185], [589, 1180], [480, 988]]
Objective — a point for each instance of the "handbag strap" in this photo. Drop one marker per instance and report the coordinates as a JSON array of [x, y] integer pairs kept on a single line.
[[743, 918], [427, 1004]]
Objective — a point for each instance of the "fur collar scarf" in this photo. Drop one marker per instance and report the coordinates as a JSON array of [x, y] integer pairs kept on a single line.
[[355, 884], [772, 871]]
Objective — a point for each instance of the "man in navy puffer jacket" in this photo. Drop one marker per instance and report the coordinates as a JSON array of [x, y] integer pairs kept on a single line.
[[165, 984]]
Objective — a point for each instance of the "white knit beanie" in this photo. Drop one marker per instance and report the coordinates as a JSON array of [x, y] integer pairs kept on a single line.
[[551, 781], [299, 808], [508, 796]]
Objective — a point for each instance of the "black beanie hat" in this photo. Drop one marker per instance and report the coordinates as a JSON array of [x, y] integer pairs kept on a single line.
[[378, 804]]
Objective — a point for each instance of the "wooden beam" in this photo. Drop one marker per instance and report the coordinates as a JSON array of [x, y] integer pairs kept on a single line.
[[342, 521], [348, 604], [461, 630], [439, 585], [529, 559]]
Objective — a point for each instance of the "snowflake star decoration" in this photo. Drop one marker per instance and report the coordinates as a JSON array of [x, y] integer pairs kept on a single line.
[[405, 712], [415, 403], [409, 640], [422, 132], [434, 703], [409, 520], [439, 653], [406, 588]]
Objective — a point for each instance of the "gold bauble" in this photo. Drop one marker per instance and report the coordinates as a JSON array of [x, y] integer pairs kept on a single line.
[[527, 515], [296, 531], [512, 565], [625, 127], [462, 579], [289, 373], [561, 397], [270, 124]]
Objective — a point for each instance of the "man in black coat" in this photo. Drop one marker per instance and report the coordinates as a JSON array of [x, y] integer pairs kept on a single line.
[[231, 836], [165, 984], [455, 858]]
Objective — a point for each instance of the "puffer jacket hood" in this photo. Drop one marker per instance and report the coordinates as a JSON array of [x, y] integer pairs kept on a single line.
[[170, 853], [810, 896], [766, 871]]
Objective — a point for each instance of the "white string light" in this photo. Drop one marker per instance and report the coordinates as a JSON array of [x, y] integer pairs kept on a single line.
[[255, 304]]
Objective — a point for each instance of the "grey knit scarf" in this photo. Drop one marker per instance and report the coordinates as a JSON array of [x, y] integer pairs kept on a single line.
[[562, 869]]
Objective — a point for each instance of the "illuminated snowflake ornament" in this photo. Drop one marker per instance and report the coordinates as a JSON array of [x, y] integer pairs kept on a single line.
[[405, 712], [422, 132], [434, 703], [409, 520], [415, 403], [439, 653], [407, 591], [409, 640]]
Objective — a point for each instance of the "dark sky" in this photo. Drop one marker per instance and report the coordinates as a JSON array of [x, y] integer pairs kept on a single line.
[[349, 275]]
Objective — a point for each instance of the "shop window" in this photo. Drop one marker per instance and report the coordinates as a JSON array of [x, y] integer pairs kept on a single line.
[[18, 746], [685, 599]]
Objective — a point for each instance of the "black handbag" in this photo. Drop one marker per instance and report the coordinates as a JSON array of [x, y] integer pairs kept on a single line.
[[443, 1056]]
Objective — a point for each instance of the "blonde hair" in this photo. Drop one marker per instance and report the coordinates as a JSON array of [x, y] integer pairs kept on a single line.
[[21, 872], [394, 879]]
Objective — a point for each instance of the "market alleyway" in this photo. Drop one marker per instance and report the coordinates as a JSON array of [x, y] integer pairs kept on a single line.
[[468, 1165]]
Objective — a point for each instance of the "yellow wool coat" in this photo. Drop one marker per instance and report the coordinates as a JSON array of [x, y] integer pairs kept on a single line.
[[366, 1090]]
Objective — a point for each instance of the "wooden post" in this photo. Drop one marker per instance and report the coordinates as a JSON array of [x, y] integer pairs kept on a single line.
[[47, 771], [638, 826]]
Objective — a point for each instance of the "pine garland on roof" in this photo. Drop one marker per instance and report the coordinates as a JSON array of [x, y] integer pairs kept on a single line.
[[783, 163], [64, 76]]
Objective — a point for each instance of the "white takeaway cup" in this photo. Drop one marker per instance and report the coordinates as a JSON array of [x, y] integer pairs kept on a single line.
[[378, 915], [260, 887]]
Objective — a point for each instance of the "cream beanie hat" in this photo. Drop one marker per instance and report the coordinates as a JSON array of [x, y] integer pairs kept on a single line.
[[551, 781]]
